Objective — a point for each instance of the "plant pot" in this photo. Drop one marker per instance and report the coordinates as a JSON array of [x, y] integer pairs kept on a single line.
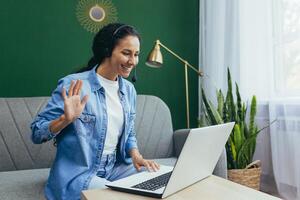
[[249, 177]]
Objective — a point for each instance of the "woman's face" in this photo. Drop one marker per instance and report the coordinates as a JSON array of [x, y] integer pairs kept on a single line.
[[125, 56]]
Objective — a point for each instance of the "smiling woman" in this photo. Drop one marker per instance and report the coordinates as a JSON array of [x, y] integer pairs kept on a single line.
[[91, 115], [123, 59]]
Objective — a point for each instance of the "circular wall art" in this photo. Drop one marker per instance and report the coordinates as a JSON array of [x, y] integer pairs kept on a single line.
[[94, 14]]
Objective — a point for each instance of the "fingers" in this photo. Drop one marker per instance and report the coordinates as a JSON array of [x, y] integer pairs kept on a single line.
[[71, 88], [137, 166], [64, 95], [62, 117], [84, 100], [77, 87], [147, 165], [80, 86], [154, 166], [151, 165]]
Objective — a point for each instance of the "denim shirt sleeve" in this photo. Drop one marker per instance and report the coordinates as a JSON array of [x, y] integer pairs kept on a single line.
[[53, 110], [131, 141]]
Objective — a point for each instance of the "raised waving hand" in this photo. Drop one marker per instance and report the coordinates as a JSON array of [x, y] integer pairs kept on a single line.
[[73, 106]]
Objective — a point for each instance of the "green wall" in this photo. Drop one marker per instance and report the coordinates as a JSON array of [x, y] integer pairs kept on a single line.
[[42, 41]]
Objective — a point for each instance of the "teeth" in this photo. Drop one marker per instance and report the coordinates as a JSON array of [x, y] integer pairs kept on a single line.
[[126, 68]]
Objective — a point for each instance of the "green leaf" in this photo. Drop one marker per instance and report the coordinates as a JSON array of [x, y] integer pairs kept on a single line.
[[209, 109], [233, 150], [212, 113], [244, 111], [252, 116], [253, 145], [246, 152], [242, 129], [226, 117], [206, 116], [229, 156], [229, 99], [215, 113], [238, 139], [239, 105], [245, 128], [202, 121], [220, 97], [230, 162]]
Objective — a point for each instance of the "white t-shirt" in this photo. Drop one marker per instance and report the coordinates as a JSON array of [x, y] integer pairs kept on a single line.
[[115, 114]]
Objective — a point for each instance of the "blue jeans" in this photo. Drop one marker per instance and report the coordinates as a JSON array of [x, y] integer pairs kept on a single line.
[[110, 170]]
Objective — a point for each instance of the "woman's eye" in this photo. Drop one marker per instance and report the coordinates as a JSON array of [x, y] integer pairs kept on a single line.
[[126, 53]]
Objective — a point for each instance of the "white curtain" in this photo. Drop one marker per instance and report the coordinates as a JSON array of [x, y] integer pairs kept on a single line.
[[219, 40], [285, 143], [260, 41]]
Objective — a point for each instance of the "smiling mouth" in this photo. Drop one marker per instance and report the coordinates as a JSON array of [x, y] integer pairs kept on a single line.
[[128, 69]]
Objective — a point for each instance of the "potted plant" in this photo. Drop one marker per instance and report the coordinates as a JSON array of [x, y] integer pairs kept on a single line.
[[241, 144]]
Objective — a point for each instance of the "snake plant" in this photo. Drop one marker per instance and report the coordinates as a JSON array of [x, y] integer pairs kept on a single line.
[[241, 144]]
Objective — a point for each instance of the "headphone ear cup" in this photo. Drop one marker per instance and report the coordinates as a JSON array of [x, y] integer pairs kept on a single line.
[[107, 54], [134, 77]]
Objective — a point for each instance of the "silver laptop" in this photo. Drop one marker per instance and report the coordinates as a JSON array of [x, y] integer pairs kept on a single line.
[[196, 161]]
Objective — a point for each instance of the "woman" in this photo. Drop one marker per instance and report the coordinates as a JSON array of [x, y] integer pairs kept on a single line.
[[91, 116]]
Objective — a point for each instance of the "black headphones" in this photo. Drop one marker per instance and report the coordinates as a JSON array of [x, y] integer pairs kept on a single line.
[[134, 77], [107, 52]]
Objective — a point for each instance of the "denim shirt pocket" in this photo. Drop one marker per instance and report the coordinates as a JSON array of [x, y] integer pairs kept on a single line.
[[85, 124]]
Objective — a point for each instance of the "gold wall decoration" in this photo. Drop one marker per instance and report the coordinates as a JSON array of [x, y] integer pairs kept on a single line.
[[94, 14]]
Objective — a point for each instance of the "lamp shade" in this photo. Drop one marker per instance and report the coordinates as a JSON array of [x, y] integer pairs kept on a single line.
[[155, 58]]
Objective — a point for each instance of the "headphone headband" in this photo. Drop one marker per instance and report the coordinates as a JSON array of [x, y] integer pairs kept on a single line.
[[119, 28]]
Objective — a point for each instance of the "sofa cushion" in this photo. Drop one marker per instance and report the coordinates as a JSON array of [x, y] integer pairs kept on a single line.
[[23, 184], [29, 184], [166, 161]]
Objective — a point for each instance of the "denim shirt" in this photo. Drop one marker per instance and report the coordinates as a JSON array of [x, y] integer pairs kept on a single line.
[[80, 144]]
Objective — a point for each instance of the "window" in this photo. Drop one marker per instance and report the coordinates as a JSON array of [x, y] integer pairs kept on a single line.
[[286, 26]]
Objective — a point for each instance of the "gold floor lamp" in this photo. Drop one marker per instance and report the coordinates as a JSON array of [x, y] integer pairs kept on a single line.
[[155, 59]]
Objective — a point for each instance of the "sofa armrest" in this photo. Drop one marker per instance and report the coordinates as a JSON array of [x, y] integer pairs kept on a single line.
[[179, 140]]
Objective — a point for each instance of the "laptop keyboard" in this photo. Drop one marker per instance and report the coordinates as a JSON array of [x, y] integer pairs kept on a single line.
[[154, 183]]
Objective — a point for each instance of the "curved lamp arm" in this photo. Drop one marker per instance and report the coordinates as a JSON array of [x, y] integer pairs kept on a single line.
[[155, 59]]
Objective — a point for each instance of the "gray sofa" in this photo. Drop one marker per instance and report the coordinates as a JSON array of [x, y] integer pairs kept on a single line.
[[24, 166]]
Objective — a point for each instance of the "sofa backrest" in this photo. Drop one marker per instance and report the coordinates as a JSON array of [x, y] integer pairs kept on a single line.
[[153, 128], [16, 148], [153, 125]]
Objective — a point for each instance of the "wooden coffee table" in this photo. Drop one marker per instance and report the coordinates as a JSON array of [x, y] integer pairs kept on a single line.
[[211, 188]]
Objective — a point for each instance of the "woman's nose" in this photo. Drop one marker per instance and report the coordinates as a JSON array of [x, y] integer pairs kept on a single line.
[[132, 60]]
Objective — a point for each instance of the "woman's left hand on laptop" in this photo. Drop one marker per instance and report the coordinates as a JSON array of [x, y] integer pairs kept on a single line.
[[139, 161]]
